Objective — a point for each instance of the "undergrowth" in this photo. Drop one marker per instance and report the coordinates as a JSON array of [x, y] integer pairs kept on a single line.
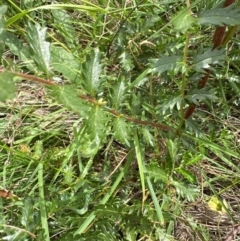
[[134, 135]]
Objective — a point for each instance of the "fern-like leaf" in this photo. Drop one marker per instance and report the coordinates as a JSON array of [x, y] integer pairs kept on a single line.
[[204, 60], [165, 63], [221, 16], [200, 94]]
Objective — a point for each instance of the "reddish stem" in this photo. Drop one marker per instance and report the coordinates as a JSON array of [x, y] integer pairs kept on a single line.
[[217, 41]]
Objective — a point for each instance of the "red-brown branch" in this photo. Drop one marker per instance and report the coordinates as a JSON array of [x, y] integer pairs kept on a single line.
[[30, 77], [217, 41], [93, 101]]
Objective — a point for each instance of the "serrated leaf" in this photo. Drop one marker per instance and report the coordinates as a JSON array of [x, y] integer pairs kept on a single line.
[[97, 122], [18, 49], [41, 48], [183, 22], [121, 130], [136, 103], [165, 63], [156, 173], [64, 62], [185, 190], [205, 60], [221, 16], [96, 131], [7, 86], [172, 147], [191, 177], [200, 94], [172, 103], [126, 61], [91, 70], [89, 145], [147, 136], [118, 96], [69, 97]]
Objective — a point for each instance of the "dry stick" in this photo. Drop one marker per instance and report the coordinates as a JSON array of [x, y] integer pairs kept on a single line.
[[217, 41], [231, 236]]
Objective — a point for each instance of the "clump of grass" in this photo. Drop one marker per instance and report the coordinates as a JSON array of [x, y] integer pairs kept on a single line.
[[130, 138]]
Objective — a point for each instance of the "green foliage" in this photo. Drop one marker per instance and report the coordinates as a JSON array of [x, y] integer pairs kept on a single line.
[[64, 62], [165, 63], [68, 96], [220, 16], [123, 160], [121, 130], [3, 9], [40, 49], [7, 86], [208, 58], [90, 73]]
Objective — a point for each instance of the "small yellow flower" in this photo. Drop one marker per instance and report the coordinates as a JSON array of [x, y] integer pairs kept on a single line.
[[215, 205], [24, 148]]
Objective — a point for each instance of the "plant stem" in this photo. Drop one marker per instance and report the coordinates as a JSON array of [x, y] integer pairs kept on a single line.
[[184, 83]]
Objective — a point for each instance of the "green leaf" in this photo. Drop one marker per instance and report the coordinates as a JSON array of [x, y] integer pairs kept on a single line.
[[172, 147], [172, 103], [97, 123], [64, 24], [200, 94], [183, 22], [91, 8], [64, 62], [165, 63], [20, 50], [156, 173], [41, 48], [3, 10], [119, 90], [69, 97], [89, 145], [185, 190], [221, 16], [121, 130], [141, 79], [187, 174], [141, 162], [91, 71], [126, 61], [216, 148], [7, 86], [147, 136], [205, 60]]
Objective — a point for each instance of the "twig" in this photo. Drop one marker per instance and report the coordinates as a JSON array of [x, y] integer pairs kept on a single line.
[[231, 236]]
